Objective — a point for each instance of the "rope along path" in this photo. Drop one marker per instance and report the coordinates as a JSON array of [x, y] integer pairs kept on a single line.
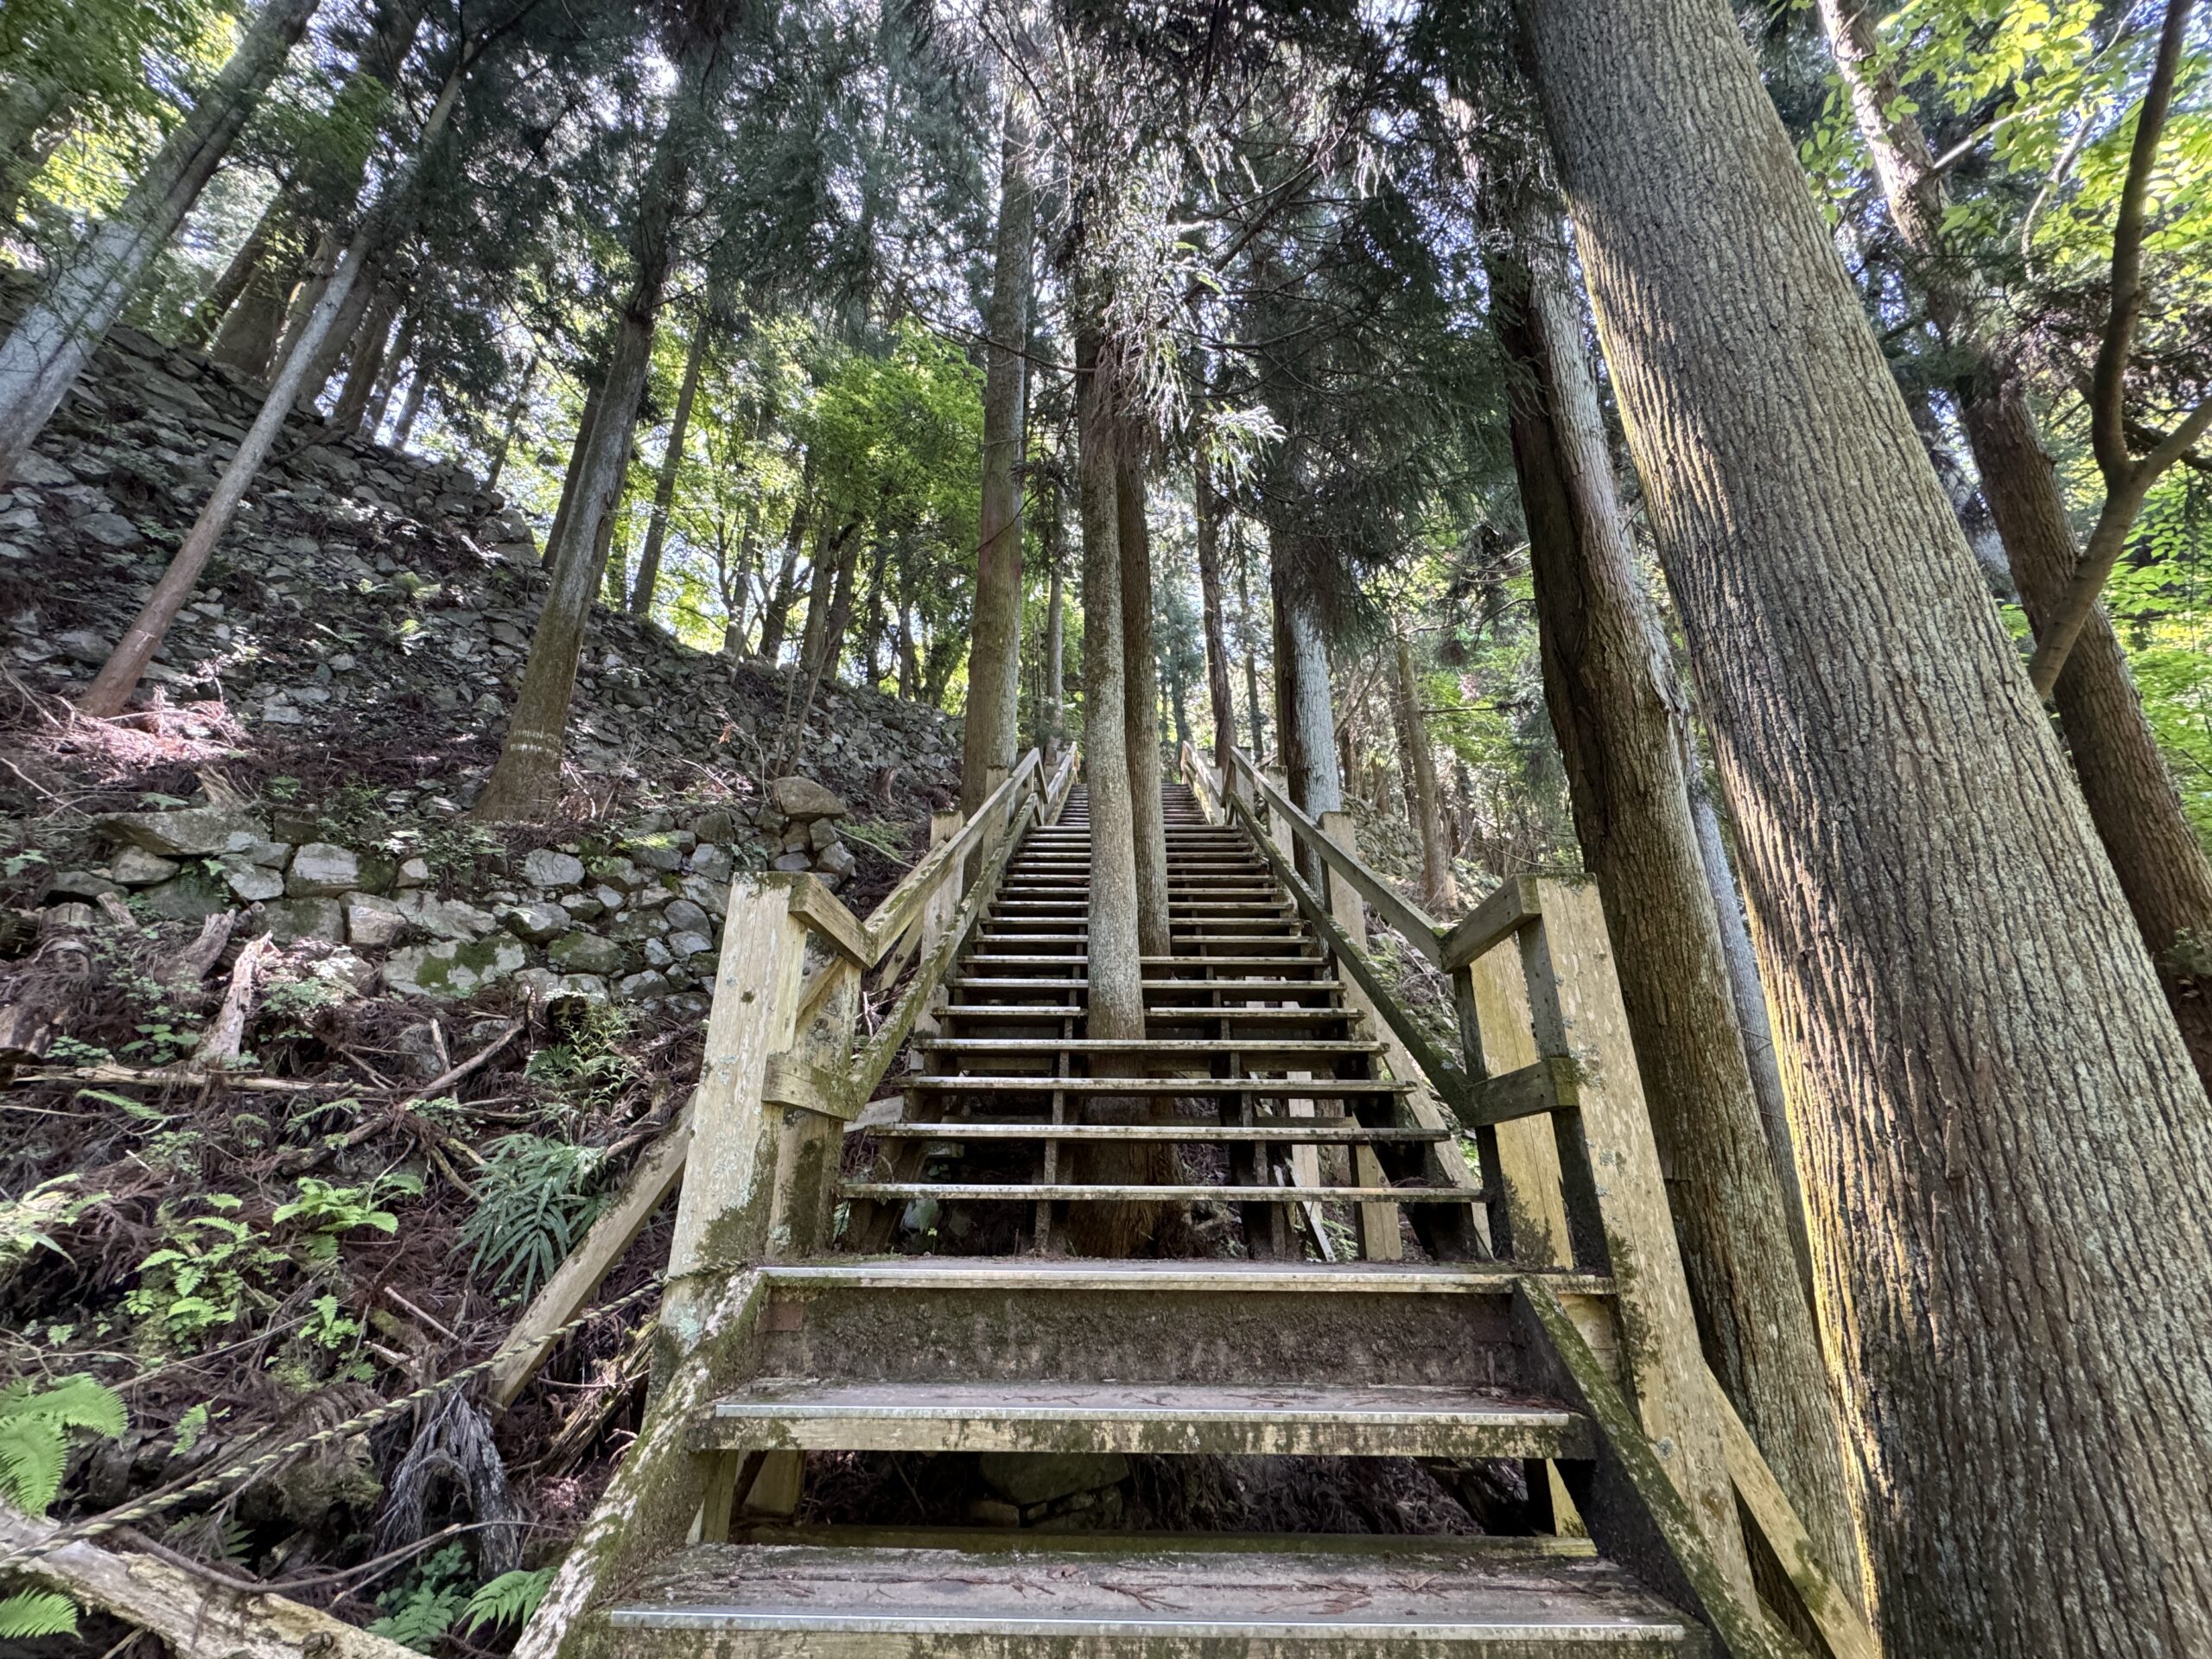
[[246, 1473]]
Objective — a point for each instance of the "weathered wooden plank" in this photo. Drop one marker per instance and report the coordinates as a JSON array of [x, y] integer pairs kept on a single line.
[[1835, 1614], [1636, 1512], [813, 903], [902, 907], [1512, 906], [1419, 930], [1546, 1085], [1575, 1005], [721, 1219], [1493, 1006], [643, 1190]]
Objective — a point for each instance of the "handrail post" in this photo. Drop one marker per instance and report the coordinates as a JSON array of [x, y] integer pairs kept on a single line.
[[723, 1213], [1616, 1205], [1378, 1222], [937, 913]]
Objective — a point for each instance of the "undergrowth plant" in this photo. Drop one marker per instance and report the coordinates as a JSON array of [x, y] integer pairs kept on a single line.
[[534, 1197], [37, 1428], [208, 1270]]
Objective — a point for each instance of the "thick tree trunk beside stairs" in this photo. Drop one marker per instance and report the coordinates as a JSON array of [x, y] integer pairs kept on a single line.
[[1140, 705], [1604, 674], [2005, 1139]]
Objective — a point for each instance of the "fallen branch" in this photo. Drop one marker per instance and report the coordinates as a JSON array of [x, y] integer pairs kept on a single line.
[[197, 1617], [195, 961], [218, 1049]]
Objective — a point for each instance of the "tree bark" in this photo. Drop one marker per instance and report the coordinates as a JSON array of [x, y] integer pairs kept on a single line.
[[419, 391], [259, 246], [516, 412], [564, 510], [1251, 657], [991, 734], [247, 339], [371, 340], [118, 678], [679, 428], [56, 335], [1439, 892], [525, 781], [1606, 684], [1056, 691], [2124, 780], [1116, 999], [2005, 1142], [26, 109], [1141, 704], [1206, 507], [1303, 706]]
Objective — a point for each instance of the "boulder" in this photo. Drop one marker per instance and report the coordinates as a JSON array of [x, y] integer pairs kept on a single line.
[[307, 918], [134, 866], [372, 923], [835, 860], [414, 872], [658, 852], [190, 832], [110, 530], [587, 953], [687, 918], [642, 987], [253, 883], [445, 919], [618, 873], [712, 862], [548, 988], [688, 944], [321, 870], [535, 923], [81, 884], [793, 863], [451, 969], [803, 799], [554, 871]]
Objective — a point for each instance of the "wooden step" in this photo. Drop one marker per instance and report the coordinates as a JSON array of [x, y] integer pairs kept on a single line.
[[1316, 1131], [1167, 1419], [1150, 1598], [1156, 989], [1102, 1193], [1163, 1088], [1011, 959], [1017, 1013], [1178, 1049]]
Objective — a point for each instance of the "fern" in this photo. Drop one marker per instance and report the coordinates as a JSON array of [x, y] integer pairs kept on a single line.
[[34, 1428], [510, 1598], [420, 1610], [36, 1612], [533, 1200]]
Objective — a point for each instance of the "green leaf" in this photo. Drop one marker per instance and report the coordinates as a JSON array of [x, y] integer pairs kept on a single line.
[[30, 1614]]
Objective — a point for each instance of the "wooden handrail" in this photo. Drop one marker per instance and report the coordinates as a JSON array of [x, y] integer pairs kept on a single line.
[[866, 943], [1407, 919]]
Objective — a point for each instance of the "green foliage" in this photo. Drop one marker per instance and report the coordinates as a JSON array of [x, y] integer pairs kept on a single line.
[[509, 1600], [35, 1424], [326, 1213], [424, 1606], [534, 1199], [29, 1614], [589, 1071], [206, 1272]]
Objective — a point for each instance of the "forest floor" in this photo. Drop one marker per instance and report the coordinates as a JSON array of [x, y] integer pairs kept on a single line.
[[355, 1191]]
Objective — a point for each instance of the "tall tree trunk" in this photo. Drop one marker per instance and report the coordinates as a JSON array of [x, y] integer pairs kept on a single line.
[[1303, 703], [777, 602], [326, 353], [1115, 948], [992, 733], [679, 426], [2003, 1136], [525, 781], [247, 340], [370, 342], [1251, 630], [1206, 505], [118, 678], [871, 616], [28, 108], [419, 391], [1748, 992], [260, 246], [2162, 866], [1116, 999], [1141, 703], [580, 454], [1439, 890], [1056, 690], [517, 411], [396, 363], [57, 334], [1606, 684]]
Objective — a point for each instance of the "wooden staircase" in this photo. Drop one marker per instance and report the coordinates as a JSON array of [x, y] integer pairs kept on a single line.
[[1360, 1311]]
